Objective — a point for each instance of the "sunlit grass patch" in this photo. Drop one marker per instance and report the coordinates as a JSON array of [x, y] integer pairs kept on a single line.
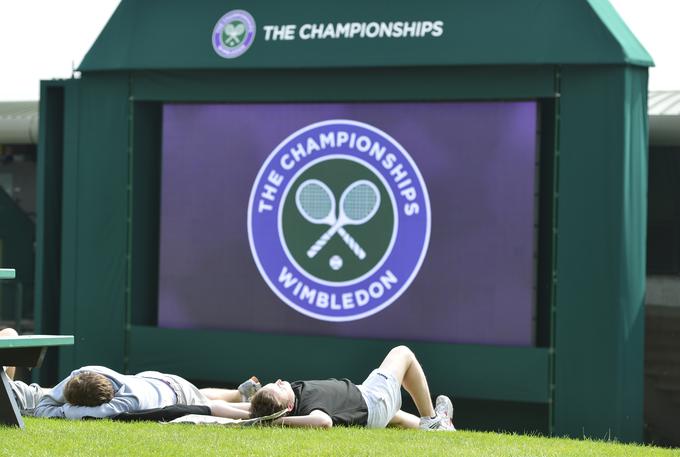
[[53, 437]]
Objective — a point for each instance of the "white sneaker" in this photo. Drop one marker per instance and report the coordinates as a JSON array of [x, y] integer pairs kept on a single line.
[[443, 413]]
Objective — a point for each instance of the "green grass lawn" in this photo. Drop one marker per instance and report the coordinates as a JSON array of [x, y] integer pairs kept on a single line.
[[45, 437]]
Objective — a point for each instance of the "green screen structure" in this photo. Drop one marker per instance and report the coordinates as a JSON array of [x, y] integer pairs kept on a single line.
[[100, 179]]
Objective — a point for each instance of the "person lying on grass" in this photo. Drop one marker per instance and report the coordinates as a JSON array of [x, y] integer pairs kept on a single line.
[[96, 391], [375, 403]]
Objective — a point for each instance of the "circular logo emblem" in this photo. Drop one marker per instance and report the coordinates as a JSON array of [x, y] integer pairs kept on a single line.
[[339, 220], [233, 34]]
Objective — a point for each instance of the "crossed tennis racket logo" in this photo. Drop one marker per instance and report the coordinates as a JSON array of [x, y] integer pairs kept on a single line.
[[234, 33], [358, 204]]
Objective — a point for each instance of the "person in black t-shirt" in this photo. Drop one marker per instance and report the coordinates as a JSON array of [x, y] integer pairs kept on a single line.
[[375, 403]]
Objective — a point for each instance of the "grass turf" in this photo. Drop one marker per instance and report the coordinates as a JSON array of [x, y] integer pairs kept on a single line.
[[45, 437]]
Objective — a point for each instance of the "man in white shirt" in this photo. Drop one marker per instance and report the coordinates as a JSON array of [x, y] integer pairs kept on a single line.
[[97, 391]]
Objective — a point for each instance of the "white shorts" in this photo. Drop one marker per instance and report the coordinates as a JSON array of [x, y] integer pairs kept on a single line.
[[186, 392], [192, 395], [382, 394]]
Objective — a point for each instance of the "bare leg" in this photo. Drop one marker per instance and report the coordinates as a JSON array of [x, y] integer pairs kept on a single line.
[[230, 410], [404, 420], [402, 363], [229, 395], [4, 333]]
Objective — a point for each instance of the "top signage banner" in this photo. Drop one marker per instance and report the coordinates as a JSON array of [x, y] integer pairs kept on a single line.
[[235, 32], [270, 34], [349, 30]]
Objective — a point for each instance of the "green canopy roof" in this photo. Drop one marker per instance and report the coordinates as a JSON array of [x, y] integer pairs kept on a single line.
[[176, 34]]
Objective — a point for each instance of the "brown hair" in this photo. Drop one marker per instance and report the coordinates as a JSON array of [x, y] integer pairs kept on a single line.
[[88, 389], [265, 403]]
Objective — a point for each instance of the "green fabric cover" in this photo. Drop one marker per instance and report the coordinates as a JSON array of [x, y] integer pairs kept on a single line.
[[141, 35], [602, 209], [631, 47]]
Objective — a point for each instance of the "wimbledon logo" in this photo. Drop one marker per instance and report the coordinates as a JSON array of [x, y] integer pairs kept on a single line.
[[233, 34], [339, 220]]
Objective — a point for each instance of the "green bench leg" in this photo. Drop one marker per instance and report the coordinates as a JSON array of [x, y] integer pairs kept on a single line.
[[9, 410]]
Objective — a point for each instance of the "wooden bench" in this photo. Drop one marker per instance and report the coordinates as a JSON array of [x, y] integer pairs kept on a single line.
[[22, 351]]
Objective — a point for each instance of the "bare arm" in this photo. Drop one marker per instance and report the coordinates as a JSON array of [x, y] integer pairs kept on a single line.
[[316, 418], [221, 408]]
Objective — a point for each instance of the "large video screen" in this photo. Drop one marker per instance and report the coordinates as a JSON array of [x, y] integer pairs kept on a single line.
[[405, 221]]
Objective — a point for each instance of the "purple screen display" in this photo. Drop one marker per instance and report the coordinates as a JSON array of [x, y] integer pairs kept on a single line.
[[476, 281]]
